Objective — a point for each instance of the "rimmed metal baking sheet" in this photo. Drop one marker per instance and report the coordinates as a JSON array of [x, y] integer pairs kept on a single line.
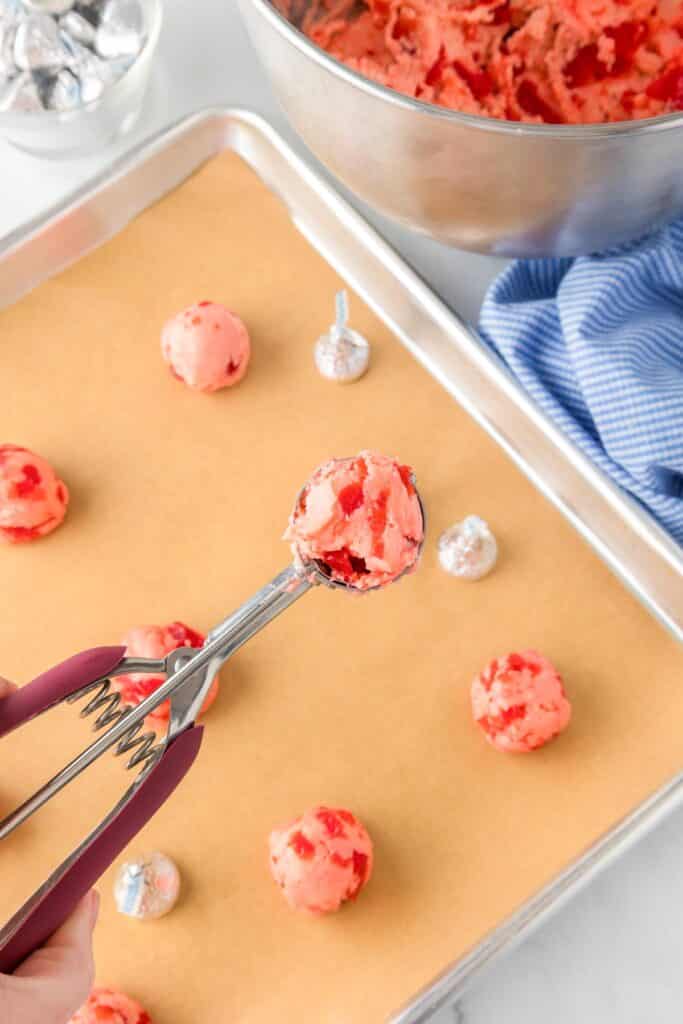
[[620, 531]]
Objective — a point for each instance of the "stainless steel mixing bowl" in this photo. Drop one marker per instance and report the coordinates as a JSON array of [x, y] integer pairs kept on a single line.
[[475, 183]]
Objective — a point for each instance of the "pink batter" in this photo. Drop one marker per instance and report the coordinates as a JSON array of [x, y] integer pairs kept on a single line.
[[206, 346], [359, 518], [321, 859], [105, 1006], [33, 500], [156, 642], [554, 61], [519, 702]]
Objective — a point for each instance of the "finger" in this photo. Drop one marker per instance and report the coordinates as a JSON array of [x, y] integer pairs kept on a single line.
[[58, 977], [6, 687]]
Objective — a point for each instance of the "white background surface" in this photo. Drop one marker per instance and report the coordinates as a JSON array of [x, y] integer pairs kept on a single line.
[[614, 954]]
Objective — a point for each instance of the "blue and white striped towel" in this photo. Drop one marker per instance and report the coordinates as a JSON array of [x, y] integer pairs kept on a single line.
[[598, 342]]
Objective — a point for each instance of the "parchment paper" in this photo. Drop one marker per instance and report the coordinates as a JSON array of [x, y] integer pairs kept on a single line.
[[179, 501]]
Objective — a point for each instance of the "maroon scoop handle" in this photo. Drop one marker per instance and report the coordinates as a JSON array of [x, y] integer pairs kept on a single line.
[[56, 684], [102, 851]]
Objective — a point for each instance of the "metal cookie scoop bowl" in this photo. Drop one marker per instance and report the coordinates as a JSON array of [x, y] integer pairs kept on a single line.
[[492, 186], [359, 521]]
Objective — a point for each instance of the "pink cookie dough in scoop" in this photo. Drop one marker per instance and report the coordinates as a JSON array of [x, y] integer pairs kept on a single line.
[[360, 520], [519, 702], [206, 346], [33, 500], [321, 859], [105, 1006]]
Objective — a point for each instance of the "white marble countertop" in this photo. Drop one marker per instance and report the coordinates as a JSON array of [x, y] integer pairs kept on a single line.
[[612, 955]]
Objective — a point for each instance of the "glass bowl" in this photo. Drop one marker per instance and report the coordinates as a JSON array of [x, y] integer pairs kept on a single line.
[[54, 133]]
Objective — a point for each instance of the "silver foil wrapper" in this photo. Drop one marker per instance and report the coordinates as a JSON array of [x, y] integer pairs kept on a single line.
[[468, 549], [38, 45], [63, 92], [92, 73], [148, 887], [77, 28], [72, 50], [342, 355]]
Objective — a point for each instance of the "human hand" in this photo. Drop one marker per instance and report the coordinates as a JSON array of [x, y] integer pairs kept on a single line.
[[55, 980]]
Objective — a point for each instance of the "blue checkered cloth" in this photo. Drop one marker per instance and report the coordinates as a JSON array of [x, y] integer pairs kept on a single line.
[[597, 341]]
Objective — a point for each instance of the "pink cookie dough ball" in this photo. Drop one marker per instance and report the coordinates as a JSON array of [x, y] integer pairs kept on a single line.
[[206, 346], [519, 702], [156, 642], [321, 859], [360, 519], [33, 500], [105, 1006]]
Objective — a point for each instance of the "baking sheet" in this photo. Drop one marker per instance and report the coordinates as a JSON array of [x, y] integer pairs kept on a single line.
[[178, 504]]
